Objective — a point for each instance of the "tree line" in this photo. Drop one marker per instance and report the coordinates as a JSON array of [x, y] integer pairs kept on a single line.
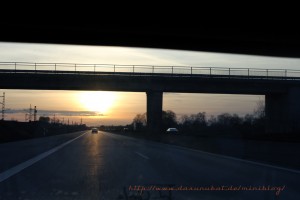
[[14, 130], [202, 124]]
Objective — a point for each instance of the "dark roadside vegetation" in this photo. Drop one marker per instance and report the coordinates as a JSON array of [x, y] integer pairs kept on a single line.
[[226, 134], [13, 130]]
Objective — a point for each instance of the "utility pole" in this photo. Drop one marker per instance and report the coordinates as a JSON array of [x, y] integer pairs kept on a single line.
[[28, 116], [3, 105], [34, 113]]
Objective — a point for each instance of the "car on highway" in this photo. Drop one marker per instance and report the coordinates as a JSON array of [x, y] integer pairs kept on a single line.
[[94, 130], [172, 131]]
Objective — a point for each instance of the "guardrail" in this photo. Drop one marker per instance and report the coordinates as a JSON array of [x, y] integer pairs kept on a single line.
[[146, 69]]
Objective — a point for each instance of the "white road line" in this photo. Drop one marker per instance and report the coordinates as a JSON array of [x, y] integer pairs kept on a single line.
[[214, 155], [14, 170], [238, 159], [143, 156]]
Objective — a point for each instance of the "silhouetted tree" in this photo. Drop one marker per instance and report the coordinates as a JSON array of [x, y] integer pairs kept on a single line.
[[194, 123], [140, 119], [44, 119], [235, 120], [199, 119], [224, 119], [169, 119], [212, 120], [259, 117], [259, 111], [249, 119], [139, 122]]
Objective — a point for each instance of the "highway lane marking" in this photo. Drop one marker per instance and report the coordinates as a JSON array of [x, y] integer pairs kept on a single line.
[[211, 154], [142, 155], [18, 168], [237, 159]]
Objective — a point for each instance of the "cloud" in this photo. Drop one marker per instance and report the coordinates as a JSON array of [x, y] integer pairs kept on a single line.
[[54, 53], [57, 112]]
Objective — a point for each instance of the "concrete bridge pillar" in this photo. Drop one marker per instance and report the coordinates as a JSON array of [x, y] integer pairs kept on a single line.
[[154, 111], [283, 112]]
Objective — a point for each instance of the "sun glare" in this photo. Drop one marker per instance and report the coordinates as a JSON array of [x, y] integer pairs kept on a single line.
[[100, 102]]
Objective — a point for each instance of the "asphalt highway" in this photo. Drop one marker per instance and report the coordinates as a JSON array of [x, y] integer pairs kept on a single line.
[[106, 166]]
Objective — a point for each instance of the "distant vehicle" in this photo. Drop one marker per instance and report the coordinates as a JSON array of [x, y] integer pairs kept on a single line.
[[172, 130], [94, 130]]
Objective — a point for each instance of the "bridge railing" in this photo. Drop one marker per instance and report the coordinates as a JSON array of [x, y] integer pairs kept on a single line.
[[15, 67]]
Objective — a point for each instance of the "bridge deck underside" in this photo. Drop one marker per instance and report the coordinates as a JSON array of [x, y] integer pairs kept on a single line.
[[145, 82]]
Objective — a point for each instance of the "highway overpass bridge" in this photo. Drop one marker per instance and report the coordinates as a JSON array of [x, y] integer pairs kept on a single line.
[[280, 87]]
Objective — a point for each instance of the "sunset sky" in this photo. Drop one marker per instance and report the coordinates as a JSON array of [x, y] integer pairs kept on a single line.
[[119, 108]]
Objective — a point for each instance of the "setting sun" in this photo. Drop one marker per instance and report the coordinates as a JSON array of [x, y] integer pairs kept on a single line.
[[100, 102]]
